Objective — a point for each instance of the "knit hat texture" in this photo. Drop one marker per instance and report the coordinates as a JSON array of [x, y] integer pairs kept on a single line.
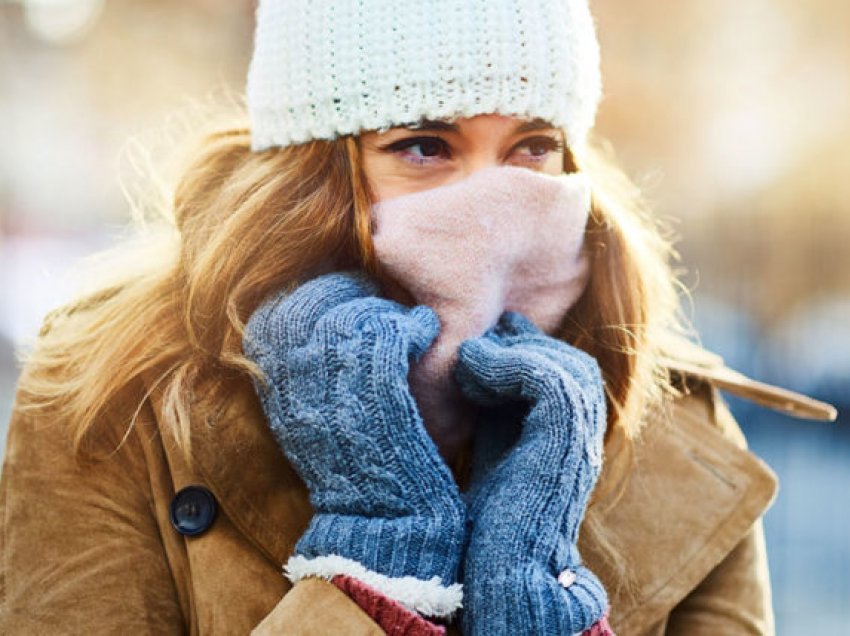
[[324, 68]]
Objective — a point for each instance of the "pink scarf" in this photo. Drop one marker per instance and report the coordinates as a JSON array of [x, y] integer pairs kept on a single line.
[[504, 238]]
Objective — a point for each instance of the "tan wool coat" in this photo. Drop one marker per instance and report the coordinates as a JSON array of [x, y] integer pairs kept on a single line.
[[87, 547]]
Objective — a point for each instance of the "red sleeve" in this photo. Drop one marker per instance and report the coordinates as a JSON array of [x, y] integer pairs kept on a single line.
[[397, 620], [390, 615], [600, 628]]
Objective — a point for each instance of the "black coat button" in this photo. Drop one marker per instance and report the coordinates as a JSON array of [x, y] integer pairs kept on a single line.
[[193, 510]]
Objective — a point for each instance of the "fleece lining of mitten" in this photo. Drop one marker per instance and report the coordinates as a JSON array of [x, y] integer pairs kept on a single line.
[[429, 598]]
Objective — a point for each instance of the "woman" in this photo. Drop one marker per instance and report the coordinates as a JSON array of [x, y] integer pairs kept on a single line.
[[400, 320]]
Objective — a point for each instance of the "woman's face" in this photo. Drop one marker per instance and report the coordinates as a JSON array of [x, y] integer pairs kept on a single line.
[[436, 153]]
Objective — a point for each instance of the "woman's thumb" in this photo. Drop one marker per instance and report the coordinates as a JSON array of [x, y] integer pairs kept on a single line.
[[487, 371]]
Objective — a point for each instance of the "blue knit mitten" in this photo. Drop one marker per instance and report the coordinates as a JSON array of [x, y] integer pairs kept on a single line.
[[387, 510], [522, 571]]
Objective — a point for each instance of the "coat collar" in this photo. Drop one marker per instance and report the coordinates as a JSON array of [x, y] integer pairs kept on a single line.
[[690, 497], [684, 357]]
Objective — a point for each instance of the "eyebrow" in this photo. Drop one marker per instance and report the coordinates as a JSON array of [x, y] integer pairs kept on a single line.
[[444, 126]]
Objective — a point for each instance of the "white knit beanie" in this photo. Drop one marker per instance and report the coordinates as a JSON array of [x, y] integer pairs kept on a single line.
[[323, 68]]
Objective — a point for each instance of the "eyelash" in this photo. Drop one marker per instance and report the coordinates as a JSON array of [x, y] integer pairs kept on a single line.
[[399, 147]]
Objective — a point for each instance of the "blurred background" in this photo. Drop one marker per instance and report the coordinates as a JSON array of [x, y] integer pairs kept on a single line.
[[734, 116]]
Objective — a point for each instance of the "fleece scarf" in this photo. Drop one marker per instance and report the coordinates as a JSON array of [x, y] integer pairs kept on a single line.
[[503, 239]]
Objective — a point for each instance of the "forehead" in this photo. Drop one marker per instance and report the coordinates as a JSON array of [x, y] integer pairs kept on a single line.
[[515, 124], [503, 124]]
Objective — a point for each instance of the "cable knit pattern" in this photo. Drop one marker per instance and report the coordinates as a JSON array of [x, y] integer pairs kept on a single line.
[[336, 359], [323, 68], [526, 512]]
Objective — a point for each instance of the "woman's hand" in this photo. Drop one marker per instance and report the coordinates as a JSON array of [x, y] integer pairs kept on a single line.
[[527, 510], [336, 358]]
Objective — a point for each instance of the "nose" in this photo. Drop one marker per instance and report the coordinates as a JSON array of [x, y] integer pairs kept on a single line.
[[477, 159]]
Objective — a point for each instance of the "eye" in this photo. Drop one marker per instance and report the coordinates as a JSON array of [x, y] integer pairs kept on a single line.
[[432, 150], [420, 150], [537, 149]]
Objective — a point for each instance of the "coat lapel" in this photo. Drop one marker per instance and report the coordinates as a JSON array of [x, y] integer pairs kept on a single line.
[[690, 498], [236, 455]]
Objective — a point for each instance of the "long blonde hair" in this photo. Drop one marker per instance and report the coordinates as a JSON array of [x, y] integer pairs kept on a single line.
[[242, 225]]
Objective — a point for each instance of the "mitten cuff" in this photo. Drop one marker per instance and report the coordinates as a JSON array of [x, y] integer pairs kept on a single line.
[[429, 598], [407, 546], [529, 600]]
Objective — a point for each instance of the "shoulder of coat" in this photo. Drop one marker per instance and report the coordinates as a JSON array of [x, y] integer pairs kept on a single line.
[[690, 362]]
